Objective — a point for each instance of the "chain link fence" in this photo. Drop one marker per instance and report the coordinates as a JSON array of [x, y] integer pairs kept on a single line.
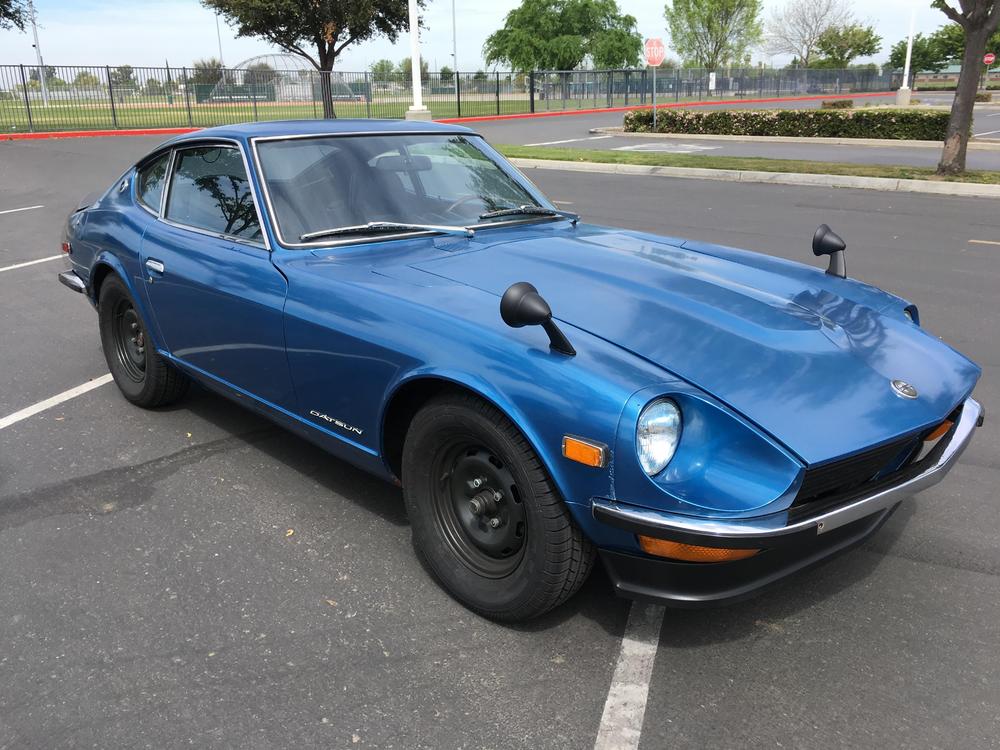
[[107, 98]]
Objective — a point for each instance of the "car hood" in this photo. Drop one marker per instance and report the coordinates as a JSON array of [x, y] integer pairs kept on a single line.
[[807, 357]]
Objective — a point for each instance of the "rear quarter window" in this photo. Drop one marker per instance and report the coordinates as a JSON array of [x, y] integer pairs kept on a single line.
[[150, 182]]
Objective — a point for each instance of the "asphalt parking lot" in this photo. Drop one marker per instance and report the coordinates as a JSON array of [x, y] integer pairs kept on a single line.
[[198, 577]]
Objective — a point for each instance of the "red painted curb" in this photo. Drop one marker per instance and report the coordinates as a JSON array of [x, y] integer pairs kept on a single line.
[[92, 133], [483, 118], [668, 105]]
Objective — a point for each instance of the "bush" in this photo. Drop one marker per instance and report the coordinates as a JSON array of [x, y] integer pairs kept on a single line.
[[837, 104], [983, 96], [897, 124]]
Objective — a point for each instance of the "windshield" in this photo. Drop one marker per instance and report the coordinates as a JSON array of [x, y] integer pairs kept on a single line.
[[326, 183]]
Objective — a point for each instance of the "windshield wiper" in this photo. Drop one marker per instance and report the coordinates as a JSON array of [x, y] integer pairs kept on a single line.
[[528, 210], [378, 227]]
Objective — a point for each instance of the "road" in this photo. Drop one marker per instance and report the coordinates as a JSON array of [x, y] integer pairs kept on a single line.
[[197, 577], [573, 131]]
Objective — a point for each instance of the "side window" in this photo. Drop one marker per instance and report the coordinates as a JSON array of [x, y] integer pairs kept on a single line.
[[210, 191], [152, 178]]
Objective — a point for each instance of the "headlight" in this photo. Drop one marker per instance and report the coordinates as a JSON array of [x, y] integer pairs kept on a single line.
[[657, 435]]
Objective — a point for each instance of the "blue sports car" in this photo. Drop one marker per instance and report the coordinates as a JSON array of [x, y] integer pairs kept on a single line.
[[706, 420]]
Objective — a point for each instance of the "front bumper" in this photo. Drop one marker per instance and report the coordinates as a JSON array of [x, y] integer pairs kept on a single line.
[[790, 543]]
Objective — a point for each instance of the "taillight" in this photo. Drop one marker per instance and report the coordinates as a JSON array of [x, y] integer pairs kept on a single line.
[[67, 248]]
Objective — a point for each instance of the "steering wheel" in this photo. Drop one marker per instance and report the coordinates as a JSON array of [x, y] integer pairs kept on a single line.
[[462, 201]]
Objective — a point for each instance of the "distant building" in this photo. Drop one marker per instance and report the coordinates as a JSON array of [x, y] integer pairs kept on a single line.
[[949, 75]]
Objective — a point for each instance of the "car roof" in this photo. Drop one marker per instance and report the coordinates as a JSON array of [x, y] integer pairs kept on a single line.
[[272, 128]]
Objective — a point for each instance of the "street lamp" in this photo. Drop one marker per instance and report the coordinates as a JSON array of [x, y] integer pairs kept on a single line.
[[418, 111], [38, 55], [903, 94]]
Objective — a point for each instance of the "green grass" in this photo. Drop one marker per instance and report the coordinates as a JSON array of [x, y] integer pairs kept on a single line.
[[744, 163]]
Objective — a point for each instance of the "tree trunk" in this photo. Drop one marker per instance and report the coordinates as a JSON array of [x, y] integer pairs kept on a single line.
[[956, 140], [326, 92]]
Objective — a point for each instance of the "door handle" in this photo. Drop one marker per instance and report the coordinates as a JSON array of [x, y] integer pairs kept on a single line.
[[155, 266]]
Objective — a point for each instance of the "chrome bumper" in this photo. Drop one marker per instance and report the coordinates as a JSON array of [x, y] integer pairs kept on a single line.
[[775, 529], [71, 280]]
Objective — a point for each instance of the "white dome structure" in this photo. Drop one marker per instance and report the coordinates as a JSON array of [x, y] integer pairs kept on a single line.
[[292, 77]]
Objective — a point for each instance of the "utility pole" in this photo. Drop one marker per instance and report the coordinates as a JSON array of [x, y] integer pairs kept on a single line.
[[218, 35], [38, 55], [418, 111], [903, 95], [454, 38]]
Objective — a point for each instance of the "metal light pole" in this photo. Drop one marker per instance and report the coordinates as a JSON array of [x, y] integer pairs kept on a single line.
[[38, 54], [454, 38], [218, 35], [418, 111], [903, 95]]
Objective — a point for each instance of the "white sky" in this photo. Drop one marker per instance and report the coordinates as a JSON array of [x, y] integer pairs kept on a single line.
[[147, 32]]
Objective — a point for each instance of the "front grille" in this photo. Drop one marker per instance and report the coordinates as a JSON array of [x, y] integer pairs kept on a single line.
[[841, 477]]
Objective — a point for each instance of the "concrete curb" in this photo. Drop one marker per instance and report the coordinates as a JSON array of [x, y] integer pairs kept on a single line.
[[981, 145], [884, 184]]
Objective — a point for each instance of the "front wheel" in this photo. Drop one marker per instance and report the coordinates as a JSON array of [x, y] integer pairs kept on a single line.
[[484, 514], [142, 375]]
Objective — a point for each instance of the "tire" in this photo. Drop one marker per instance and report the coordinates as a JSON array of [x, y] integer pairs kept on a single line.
[[142, 375], [459, 452]]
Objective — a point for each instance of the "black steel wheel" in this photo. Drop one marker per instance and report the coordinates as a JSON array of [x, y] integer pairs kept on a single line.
[[142, 375], [485, 517]]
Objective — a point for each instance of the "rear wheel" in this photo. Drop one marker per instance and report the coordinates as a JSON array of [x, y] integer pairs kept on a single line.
[[142, 375], [484, 514]]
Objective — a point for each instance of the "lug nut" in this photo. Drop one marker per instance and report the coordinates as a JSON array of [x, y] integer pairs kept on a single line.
[[495, 523]]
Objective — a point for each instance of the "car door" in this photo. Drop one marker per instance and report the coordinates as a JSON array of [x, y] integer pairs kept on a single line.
[[216, 297]]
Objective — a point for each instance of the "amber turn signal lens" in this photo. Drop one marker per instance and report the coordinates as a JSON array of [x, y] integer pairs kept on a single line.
[[692, 552], [941, 430], [583, 451]]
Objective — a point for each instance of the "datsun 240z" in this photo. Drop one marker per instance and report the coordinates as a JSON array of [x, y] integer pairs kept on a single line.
[[705, 420]]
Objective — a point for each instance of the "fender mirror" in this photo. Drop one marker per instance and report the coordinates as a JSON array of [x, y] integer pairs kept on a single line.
[[828, 242], [522, 305]]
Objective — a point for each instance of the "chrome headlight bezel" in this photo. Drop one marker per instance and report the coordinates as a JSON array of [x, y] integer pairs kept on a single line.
[[657, 434]]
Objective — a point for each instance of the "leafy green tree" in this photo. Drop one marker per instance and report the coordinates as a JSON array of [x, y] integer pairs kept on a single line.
[[153, 87], [316, 30], [206, 72], [795, 28], [979, 20], [123, 76], [13, 14], [50, 73], [841, 44], [383, 69], [406, 67], [446, 73], [950, 41], [259, 74], [86, 79], [560, 34], [926, 55], [479, 75], [713, 32]]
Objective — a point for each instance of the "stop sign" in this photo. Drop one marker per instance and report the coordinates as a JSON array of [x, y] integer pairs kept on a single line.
[[655, 52], [989, 59]]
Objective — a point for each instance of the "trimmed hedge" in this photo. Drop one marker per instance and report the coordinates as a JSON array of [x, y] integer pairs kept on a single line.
[[982, 96], [837, 104], [897, 124]]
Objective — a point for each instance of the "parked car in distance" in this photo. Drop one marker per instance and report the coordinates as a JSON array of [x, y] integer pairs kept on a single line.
[[706, 420]]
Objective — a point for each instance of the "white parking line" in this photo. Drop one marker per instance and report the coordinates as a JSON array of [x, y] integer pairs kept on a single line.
[[983, 242], [988, 132], [30, 263], [15, 210], [570, 140], [54, 401], [621, 722]]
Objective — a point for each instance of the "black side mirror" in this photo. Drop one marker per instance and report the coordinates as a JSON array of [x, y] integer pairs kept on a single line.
[[522, 305], [828, 242]]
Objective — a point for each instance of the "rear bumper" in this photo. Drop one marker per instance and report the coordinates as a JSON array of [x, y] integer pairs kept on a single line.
[[789, 543], [71, 280]]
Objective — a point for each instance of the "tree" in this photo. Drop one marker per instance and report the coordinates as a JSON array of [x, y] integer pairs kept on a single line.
[[979, 19], [259, 74], [841, 44], [926, 55], [13, 14], [123, 76], [383, 69], [316, 30], [950, 41], [153, 87], [50, 73], [795, 29], [405, 70], [713, 32], [560, 34], [86, 79], [206, 72], [446, 73]]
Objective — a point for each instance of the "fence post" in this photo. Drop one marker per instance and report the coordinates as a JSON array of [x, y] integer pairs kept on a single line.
[[253, 102], [187, 95], [111, 93], [498, 92], [458, 94], [677, 85], [531, 90], [27, 102], [368, 95]]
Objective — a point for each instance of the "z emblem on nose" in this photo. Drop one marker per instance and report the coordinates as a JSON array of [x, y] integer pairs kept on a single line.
[[904, 389]]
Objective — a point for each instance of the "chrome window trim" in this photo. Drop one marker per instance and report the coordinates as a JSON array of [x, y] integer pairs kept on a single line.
[[365, 240], [222, 143]]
